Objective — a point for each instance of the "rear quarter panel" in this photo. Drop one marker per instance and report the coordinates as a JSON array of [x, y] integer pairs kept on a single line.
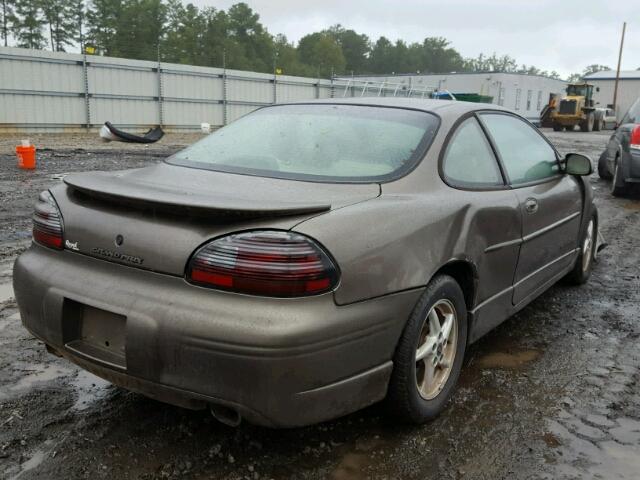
[[399, 241]]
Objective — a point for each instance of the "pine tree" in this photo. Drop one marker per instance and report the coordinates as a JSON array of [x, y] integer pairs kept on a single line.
[[6, 16], [102, 19], [77, 17], [61, 19], [28, 23]]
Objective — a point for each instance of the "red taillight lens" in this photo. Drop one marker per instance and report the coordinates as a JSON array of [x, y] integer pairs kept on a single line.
[[265, 262], [47, 222], [635, 138]]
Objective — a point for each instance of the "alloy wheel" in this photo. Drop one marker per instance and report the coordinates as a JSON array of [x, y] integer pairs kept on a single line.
[[587, 246], [436, 349]]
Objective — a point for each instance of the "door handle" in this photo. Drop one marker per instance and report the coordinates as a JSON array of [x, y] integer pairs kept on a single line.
[[531, 205]]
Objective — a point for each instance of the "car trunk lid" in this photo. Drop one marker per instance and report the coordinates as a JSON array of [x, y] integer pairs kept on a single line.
[[155, 217]]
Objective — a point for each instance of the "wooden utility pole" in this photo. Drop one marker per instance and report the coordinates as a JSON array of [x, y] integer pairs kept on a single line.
[[615, 88]]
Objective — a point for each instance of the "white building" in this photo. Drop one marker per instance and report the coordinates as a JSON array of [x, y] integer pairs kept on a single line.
[[525, 94], [628, 89]]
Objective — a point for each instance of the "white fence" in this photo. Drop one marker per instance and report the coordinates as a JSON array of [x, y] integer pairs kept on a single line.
[[46, 91]]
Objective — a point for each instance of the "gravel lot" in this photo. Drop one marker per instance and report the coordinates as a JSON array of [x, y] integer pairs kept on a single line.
[[551, 393]]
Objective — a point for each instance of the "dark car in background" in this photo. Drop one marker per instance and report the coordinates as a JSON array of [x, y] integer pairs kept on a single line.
[[620, 161]]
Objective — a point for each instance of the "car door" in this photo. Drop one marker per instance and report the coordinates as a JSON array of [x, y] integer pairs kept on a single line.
[[492, 216], [550, 203]]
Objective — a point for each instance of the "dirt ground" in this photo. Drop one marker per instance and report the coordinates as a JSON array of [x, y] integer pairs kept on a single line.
[[553, 393]]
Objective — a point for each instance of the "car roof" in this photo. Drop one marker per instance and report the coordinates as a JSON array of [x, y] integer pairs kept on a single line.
[[441, 107]]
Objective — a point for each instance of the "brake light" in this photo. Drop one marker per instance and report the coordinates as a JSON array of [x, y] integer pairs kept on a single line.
[[635, 138], [264, 262], [47, 222]]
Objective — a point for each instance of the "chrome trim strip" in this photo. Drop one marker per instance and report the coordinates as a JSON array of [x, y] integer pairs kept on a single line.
[[544, 267], [548, 228], [491, 299], [498, 246]]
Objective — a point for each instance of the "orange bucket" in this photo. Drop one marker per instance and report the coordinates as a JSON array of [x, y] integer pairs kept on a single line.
[[26, 156]]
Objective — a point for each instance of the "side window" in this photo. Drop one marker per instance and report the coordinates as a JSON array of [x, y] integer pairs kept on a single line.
[[526, 156], [469, 160]]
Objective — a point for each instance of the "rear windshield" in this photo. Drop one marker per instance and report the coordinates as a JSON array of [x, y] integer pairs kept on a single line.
[[320, 142], [633, 115]]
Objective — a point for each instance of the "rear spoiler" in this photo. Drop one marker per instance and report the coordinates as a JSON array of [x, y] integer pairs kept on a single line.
[[114, 189]]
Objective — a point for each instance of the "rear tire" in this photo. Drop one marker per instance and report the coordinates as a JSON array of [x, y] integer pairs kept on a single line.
[[569, 128], [603, 169], [557, 127], [584, 263], [597, 124], [618, 185], [428, 360]]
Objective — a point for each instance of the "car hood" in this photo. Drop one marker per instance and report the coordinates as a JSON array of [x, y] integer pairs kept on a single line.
[[164, 212]]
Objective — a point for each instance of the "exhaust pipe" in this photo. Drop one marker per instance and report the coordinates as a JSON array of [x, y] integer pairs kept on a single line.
[[226, 415]]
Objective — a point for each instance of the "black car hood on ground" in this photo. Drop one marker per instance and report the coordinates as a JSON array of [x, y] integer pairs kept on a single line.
[[165, 212]]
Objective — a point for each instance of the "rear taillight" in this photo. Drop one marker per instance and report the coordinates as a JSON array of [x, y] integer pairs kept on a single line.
[[635, 138], [47, 222], [264, 262]]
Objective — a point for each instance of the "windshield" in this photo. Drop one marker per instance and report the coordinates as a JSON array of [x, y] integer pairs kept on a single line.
[[577, 90], [321, 142]]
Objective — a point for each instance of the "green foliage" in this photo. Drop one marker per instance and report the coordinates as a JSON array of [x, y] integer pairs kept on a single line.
[[27, 24], [322, 51], [577, 77], [103, 18], [6, 19], [62, 19], [594, 69], [178, 32]]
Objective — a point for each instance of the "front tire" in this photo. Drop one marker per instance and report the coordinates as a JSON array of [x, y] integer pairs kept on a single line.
[[429, 355], [557, 127], [584, 263]]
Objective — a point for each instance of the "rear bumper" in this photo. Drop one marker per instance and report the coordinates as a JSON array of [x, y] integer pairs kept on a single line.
[[279, 362]]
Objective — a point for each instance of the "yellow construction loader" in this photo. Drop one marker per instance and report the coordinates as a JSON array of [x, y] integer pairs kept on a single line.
[[578, 108]]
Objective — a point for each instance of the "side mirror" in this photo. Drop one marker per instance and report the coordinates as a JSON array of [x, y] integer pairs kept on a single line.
[[578, 164], [597, 89]]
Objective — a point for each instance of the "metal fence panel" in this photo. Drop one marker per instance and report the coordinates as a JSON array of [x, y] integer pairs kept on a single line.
[[45, 91]]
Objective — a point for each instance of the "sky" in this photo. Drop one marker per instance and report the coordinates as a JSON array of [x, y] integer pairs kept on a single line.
[[560, 35]]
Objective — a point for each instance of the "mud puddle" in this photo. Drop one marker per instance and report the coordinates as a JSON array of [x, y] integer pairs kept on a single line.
[[513, 360]]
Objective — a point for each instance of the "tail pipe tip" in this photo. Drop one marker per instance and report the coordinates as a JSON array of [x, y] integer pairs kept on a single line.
[[226, 415]]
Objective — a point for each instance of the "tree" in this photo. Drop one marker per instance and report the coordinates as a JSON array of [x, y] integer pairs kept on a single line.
[[493, 63], [322, 53], [27, 24], [102, 19], [439, 56], [61, 17], [574, 77], [287, 59], [355, 47], [6, 16], [594, 69], [193, 36], [382, 57]]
